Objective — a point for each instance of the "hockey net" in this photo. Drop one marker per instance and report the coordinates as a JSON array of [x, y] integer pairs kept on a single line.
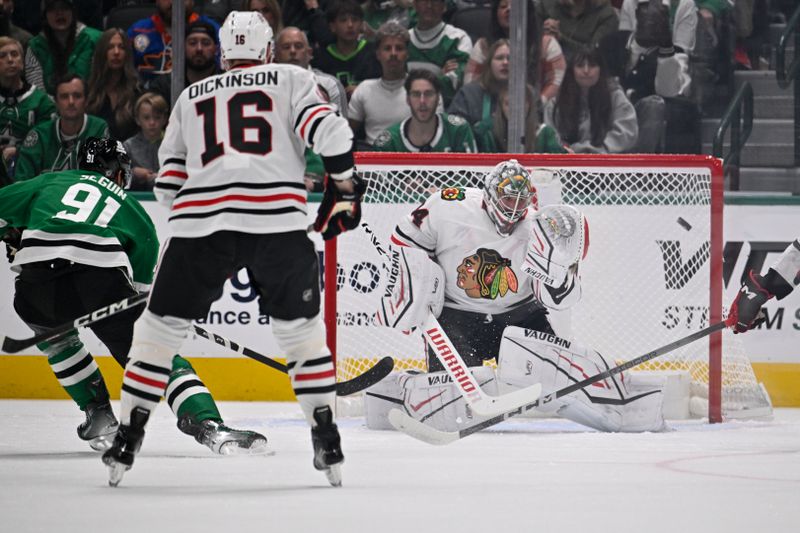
[[653, 273]]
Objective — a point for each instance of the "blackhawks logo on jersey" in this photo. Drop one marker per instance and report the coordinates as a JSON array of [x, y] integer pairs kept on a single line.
[[486, 274], [452, 194]]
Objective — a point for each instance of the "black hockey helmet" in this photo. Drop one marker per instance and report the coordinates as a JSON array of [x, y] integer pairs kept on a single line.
[[106, 156]]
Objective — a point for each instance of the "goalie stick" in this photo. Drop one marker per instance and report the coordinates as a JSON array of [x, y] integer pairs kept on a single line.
[[408, 425], [371, 376], [457, 369], [10, 345]]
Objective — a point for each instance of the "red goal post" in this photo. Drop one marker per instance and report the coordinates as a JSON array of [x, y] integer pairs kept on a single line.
[[653, 273]]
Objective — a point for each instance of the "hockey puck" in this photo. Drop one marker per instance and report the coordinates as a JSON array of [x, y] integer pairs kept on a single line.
[[685, 225]]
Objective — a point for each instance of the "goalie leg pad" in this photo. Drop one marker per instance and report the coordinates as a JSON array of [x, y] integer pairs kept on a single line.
[[431, 398], [528, 356], [381, 398]]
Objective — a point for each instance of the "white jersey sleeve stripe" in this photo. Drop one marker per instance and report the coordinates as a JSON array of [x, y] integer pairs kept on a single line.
[[398, 237], [175, 174], [242, 185], [310, 118], [240, 198]]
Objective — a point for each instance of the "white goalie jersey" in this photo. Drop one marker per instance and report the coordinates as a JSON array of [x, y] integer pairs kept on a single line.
[[483, 270], [232, 157]]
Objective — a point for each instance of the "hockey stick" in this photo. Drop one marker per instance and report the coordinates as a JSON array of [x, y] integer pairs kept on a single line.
[[451, 360], [403, 422], [10, 345], [371, 376]]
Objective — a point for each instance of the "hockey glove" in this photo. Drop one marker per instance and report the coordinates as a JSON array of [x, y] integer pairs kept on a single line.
[[13, 240], [558, 242], [339, 211], [746, 312]]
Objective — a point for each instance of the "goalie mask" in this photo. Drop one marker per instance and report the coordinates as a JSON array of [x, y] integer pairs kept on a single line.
[[245, 35], [507, 194], [108, 157]]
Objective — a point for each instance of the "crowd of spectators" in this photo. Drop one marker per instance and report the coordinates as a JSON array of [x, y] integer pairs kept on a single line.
[[603, 76]]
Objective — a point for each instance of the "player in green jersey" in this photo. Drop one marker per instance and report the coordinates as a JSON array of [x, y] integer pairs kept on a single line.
[[85, 243], [426, 130]]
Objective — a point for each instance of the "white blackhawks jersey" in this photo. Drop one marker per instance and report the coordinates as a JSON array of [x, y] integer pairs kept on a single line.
[[232, 155], [482, 268]]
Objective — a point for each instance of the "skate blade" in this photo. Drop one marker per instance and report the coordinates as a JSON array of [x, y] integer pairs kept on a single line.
[[258, 447], [115, 473], [102, 443], [334, 475]]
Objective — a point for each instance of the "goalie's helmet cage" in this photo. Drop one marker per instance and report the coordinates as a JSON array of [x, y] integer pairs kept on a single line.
[[106, 156], [507, 192], [245, 35]]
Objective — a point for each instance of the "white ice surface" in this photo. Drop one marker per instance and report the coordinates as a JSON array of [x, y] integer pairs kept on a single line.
[[531, 476]]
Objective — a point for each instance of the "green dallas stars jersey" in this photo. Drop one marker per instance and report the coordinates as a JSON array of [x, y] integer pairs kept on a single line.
[[44, 149], [83, 217], [21, 110], [453, 134], [431, 52]]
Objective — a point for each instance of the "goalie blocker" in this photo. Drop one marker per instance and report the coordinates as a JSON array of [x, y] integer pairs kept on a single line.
[[415, 287]]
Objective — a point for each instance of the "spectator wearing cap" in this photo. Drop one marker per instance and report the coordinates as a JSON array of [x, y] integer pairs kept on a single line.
[[63, 46], [152, 38], [201, 49], [8, 28], [113, 83]]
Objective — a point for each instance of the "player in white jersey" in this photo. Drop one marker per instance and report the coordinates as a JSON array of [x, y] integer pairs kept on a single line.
[[231, 175], [503, 262], [779, 281]]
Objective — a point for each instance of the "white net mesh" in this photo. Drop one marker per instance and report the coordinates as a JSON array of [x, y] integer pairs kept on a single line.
[[646, 279]]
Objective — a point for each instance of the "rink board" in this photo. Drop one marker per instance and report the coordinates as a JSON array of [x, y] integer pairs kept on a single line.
[[763, 229]]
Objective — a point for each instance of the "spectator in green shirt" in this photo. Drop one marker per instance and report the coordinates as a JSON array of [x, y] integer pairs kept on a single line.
[[426, 130], [64, 45], [53, 145], [22, 105]]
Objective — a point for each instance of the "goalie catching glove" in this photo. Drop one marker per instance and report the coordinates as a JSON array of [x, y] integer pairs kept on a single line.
[[339, 211], [558, 243]]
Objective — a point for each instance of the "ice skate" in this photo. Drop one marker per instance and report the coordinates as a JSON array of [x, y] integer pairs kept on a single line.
[[328, 455], [128, 441], [99, 427], [222, 439]]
